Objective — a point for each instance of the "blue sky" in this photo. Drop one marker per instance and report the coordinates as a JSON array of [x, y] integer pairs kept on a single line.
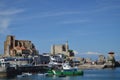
[[89, 26]]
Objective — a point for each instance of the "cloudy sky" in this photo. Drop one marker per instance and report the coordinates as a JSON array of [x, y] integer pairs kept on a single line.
[[89, 26]]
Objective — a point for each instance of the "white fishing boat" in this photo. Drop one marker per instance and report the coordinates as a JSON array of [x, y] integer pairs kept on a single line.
[[24, 75], [42, 74]]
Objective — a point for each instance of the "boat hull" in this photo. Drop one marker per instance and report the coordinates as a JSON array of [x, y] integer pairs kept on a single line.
[[64, 72]]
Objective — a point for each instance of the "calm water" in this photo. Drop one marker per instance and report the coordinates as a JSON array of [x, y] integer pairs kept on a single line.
[[103, 74]]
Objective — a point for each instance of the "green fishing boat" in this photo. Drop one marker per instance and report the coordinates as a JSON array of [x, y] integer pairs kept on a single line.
[[66, 71]]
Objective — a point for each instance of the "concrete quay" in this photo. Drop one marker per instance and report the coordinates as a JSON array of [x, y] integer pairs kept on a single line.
[[99, 66], [90, 66]]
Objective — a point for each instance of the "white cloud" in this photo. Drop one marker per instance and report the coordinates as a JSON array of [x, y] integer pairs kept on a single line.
[[51, 14], [103, 9], [6, 17], [92, 53], [10, 12], [74, 21], [4, 24]]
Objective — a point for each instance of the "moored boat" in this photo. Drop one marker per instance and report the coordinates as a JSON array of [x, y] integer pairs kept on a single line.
[[24, 75], [66, 71]]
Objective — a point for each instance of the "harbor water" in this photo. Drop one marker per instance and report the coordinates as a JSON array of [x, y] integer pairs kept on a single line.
[[95, 74]]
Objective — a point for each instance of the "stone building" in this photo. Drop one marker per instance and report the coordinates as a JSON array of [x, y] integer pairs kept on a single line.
[[111, 57], [14, 47], [101, 59], [62, 48]]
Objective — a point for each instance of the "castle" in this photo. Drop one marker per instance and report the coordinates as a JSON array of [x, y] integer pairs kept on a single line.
[[14, 47]]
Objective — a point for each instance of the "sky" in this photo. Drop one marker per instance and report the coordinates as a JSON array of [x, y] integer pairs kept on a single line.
[[91, 27]]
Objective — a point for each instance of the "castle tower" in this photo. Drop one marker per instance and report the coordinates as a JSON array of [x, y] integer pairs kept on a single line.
[[66, 44], [111, 56], [67, 48], [61, 48], [111, 59], [9, 44]]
